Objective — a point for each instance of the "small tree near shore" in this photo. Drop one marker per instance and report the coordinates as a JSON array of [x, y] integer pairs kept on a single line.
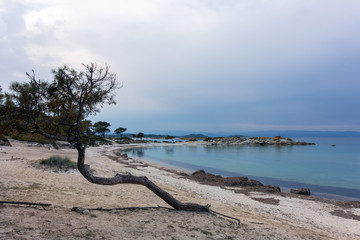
[[58, 110], [120, 131], [101, 127], [140, 135]]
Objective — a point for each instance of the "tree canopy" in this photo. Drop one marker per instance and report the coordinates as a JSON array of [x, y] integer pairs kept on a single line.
[[140, 135], [101, 127], [120, 131]]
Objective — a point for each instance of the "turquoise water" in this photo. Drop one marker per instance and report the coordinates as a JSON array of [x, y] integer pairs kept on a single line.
[[325, 169]]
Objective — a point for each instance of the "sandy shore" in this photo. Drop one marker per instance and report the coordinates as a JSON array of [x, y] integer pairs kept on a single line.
[[262, 215]]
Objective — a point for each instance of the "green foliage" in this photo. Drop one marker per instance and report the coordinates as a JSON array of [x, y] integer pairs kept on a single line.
[[169, 137], [140, 135], [57, 109], [95, 140], [61, 163], [27, 137], [101, 127], [207, 139], [125, 140], [120, 131], [192, 140]]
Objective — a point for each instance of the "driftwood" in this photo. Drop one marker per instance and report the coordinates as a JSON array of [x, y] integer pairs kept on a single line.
[[26, 203], [121, 178]]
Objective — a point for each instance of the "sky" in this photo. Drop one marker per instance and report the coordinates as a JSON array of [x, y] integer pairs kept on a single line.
[[199, 65]]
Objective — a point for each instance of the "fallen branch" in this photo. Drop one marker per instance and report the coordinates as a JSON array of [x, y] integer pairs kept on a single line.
[[26, 203], [225, 216]]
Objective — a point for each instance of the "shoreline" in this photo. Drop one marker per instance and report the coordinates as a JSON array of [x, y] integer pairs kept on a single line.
[[330, 194], [262, 215], [186, 173]]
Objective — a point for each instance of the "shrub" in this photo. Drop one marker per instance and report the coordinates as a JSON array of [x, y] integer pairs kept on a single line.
[[62, 163], [125, 140], [30, 138]]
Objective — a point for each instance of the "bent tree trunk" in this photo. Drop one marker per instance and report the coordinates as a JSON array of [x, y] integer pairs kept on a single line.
[[119, 179]]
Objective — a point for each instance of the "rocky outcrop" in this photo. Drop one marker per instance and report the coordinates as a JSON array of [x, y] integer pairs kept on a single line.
[[4, 141], [217, 180], [260, 141], [301, 191]]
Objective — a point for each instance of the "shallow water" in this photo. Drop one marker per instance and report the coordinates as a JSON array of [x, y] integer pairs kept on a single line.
[[327, 170]]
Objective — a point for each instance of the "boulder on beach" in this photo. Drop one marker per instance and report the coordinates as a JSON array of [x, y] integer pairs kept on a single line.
[[301, 191], [4, 141]]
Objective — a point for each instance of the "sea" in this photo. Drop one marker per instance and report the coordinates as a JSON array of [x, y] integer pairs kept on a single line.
[[330, 169]]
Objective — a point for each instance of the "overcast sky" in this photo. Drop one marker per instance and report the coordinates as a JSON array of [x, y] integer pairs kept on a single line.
[[199, 65]]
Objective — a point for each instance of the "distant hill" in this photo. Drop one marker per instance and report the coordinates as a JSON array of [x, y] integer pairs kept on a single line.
[[298, 133], [268, 133]]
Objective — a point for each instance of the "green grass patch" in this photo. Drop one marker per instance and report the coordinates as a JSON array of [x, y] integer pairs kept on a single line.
[[62, 163]]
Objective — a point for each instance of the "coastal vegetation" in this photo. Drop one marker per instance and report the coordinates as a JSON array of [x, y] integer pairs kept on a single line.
[[58, 162], [101, 127], [119, 131], [58, 110]]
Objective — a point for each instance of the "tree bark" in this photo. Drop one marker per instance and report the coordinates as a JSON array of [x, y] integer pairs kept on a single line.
[[120, 178]]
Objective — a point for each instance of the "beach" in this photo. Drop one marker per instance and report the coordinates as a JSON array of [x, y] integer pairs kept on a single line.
[[262, 215]]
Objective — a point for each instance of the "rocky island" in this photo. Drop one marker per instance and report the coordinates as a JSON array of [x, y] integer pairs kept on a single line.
[[261, 141]]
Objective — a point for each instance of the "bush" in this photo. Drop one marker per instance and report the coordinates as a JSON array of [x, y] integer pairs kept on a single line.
[[192, 140], [62, 163], [27, 137], [125, 140], [96, 140]]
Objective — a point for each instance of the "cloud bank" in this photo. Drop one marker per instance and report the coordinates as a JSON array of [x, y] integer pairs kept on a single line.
[[199, 65]]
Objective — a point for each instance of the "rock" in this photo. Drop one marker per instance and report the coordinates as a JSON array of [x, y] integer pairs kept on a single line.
[[301, 191], [217, 180], [78, 209], [124, 156], [4, 141], [198, 172], [81, 210], [272, 189], [86, 212]]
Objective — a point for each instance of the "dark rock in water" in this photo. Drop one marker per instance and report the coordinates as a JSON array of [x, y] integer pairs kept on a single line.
[[198, 172], [122, 155], [301, 191], [217, 180], [4, 141]]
